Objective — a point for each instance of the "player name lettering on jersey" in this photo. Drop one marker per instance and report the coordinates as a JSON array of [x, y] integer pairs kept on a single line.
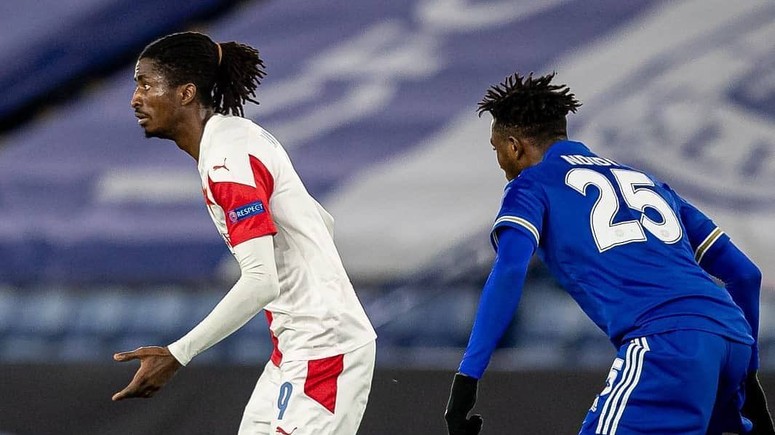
[[584, 160]]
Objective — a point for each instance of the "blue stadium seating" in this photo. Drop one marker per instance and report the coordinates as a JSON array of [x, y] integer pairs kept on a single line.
[[41, 51], [105, 245]]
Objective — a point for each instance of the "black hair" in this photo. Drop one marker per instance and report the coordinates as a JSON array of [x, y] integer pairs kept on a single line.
[[226, 75], [533, 106]]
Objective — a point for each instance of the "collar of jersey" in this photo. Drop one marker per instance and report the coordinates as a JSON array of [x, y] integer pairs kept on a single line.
[[560, 147], [204, 143], [566, 147]]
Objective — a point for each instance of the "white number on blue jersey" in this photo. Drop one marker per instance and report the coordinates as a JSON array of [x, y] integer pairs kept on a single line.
[[608, 234]]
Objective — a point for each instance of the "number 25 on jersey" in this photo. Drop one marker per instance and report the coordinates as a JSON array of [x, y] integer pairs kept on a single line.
[[633, 188]]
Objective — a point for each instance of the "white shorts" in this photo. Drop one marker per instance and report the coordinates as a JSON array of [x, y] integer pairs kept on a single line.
[[320, 397]]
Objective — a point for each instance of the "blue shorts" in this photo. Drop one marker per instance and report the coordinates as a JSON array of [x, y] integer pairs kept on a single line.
[[680, 382]]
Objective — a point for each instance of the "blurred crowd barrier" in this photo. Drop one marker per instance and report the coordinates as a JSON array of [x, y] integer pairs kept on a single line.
[[419, 327]]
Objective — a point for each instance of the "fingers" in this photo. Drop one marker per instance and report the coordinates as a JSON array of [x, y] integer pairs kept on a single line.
[[127, 356], [140, 352], [157, 366], [463, 426], [121, 395], [132, 394], [138, 380], [128, 392], [135, 389], [475, 424]]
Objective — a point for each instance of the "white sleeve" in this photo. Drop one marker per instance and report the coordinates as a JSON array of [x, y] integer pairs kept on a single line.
[[256, 287], [328, 220]]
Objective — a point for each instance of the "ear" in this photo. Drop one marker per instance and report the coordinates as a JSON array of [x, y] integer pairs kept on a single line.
[[516, 146], [187, 93]]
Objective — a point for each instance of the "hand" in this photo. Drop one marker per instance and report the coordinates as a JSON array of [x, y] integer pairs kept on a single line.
[[157, 366], [755, 407], [462, 398]]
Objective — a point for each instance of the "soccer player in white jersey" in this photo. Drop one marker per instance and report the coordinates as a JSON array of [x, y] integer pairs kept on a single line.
[[191, 90]]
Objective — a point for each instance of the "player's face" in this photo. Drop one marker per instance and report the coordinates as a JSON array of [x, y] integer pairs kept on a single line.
[[506, 152], [153, 100]]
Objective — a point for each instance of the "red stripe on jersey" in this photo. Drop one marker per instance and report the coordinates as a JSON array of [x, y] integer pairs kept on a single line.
[[277, 356], [234, 197], [322, 377]]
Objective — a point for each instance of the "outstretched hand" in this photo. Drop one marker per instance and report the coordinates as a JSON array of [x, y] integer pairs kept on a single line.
[[157, 366]]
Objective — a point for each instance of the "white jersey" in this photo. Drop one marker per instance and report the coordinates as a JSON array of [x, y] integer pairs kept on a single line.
[[252, 190]]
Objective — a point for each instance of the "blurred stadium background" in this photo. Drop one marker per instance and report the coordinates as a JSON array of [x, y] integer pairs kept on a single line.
[[105, 244]]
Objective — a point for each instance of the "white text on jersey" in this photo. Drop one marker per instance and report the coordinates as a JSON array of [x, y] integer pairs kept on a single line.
[[584, 160]]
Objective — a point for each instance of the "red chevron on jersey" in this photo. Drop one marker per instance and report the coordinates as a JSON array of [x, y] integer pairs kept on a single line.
[[247, 207]]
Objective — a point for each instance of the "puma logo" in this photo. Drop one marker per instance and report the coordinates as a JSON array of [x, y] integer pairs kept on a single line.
[[283, 432], [223, 166]]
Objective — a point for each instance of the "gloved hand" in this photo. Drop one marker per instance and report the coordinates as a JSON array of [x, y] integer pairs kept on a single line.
[[462, 398], [755, 407]]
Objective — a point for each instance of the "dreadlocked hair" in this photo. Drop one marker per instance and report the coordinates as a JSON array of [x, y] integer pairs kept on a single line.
[[226, 75], [533, 106]]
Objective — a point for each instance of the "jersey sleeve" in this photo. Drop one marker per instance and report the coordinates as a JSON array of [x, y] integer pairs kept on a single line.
[[244, 197], [522, 208], [257, 286], [499, 301], [704, 235]]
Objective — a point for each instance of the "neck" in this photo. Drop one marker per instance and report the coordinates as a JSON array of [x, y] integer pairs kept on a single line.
[[549, 142], [543, 147], [189, 133], [534, 155]]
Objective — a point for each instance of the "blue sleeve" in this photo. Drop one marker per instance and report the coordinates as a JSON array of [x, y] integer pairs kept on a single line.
[[742, 280], [499, 301], [704, 235], [718, 256], [523, 207]]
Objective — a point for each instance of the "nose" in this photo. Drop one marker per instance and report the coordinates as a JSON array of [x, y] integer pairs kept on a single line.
[[135, 101]]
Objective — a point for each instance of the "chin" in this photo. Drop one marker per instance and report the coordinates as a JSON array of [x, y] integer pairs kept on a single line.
[[150, 134]]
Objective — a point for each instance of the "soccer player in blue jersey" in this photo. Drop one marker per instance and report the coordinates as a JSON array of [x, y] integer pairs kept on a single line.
[[637, 258]]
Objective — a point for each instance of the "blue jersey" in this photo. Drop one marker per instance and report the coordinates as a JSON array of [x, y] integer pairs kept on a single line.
[[623, 244]]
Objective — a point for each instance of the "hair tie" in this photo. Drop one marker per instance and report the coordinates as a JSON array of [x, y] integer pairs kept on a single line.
[[220, 53]]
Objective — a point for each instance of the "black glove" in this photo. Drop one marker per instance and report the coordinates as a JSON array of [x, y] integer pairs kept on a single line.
[[462, 397], [755, 407]]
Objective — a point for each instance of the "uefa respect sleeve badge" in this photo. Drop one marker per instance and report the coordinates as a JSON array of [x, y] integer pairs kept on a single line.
[[246, 211]]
